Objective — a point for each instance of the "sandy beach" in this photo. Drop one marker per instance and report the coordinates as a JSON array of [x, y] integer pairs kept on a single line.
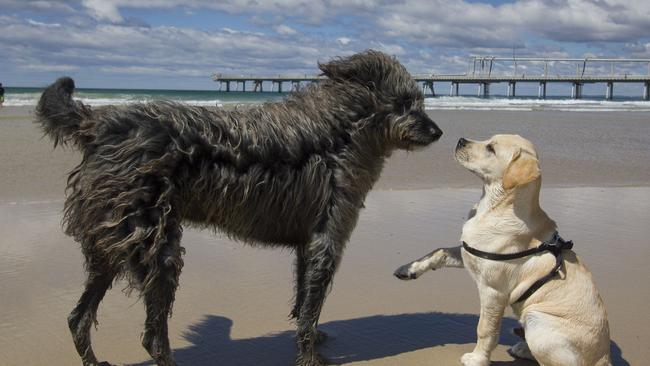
[[233, 303]]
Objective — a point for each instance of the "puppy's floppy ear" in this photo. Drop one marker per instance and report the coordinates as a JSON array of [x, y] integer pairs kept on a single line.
[[523, 169]]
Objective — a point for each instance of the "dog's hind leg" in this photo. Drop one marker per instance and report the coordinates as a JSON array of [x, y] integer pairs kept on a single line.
[[83, 316], [521, 350], [159, 290], [439, 258], [300, 268], [301, 291], [155, 339]]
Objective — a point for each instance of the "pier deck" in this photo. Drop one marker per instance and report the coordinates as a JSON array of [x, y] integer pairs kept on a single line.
[[482, 76]]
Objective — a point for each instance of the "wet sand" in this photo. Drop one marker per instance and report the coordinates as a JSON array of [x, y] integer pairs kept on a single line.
[[577, 149], [232, 305]]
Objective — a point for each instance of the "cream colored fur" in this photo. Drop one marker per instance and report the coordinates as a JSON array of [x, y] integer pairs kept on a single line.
[[565, 321]]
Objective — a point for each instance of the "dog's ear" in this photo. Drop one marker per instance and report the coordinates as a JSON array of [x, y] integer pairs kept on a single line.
[[523, 169], [368, 67]]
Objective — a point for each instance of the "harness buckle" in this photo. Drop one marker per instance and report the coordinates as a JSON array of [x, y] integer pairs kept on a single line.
[[556, 245]]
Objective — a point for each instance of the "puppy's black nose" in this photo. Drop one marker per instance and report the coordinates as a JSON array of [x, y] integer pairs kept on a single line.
[[461, 143]]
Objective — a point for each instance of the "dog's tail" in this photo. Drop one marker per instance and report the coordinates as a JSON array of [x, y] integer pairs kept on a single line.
[[59, 115]]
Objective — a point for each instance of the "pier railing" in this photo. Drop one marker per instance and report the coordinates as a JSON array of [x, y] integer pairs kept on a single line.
[[486, 70]]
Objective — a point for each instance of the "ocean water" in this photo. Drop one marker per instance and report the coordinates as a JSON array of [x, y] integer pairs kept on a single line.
[[586, 104], [98, 97]]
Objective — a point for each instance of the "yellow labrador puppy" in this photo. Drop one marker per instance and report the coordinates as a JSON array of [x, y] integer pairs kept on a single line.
[[513, 251]]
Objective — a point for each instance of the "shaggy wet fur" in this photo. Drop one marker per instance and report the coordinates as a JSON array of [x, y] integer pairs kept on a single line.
[[293, 174]]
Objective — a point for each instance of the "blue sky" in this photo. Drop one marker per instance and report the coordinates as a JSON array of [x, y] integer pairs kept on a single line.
[[171, 44]]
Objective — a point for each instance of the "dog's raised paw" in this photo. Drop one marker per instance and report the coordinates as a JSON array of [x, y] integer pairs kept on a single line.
[[404, 273], [474, 359]]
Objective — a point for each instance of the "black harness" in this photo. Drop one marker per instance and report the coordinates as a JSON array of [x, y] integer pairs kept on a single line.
[[555, 245]]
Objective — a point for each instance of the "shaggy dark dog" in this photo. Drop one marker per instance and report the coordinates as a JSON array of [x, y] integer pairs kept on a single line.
[[292, 174]]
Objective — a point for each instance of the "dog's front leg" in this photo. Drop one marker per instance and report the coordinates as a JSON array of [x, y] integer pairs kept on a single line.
[[322, 258], [439, 258], [493, 304]]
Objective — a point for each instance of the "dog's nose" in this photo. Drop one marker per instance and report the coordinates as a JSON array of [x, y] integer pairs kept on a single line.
[[437, 133], [461, 143]]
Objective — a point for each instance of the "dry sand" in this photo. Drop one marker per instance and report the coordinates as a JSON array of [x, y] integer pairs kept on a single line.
[[232, 306]]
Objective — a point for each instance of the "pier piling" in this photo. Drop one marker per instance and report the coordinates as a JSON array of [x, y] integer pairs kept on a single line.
[[279, 83], [257, 84], [454, 89], [609, 94], [576, 90], [512, 89], [484, 90], [541, 94], [428, 89]]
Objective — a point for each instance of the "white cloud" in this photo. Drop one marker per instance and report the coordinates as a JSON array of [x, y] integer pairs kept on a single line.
[[41, 24], [311, 11], [638, 49], [446, 23], [103, 10], [285, 30], [391, 49], [344, 40], [229, 30], [580, 20], [461, 23], [163, 51], [153, 70], [48, 68], [96, 36], [39, 5]]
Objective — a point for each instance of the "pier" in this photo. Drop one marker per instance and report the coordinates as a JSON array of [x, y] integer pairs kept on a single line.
[[482, 73], [254, 83]]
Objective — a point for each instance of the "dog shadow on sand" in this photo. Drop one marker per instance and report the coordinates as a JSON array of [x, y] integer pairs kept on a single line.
[[360, 339]]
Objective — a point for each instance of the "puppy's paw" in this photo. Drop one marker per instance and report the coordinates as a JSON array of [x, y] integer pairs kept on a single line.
[[406, 272], [474, 359], [521, 350]]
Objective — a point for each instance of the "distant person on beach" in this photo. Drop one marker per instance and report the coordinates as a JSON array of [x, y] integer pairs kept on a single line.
[[2, 95]]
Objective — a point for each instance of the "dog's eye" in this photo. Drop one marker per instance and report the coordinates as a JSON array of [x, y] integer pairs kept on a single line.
[[490, 148]]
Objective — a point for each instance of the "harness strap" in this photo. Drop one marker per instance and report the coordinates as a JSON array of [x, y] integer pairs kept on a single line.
[[555, 245], [501, 257]]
